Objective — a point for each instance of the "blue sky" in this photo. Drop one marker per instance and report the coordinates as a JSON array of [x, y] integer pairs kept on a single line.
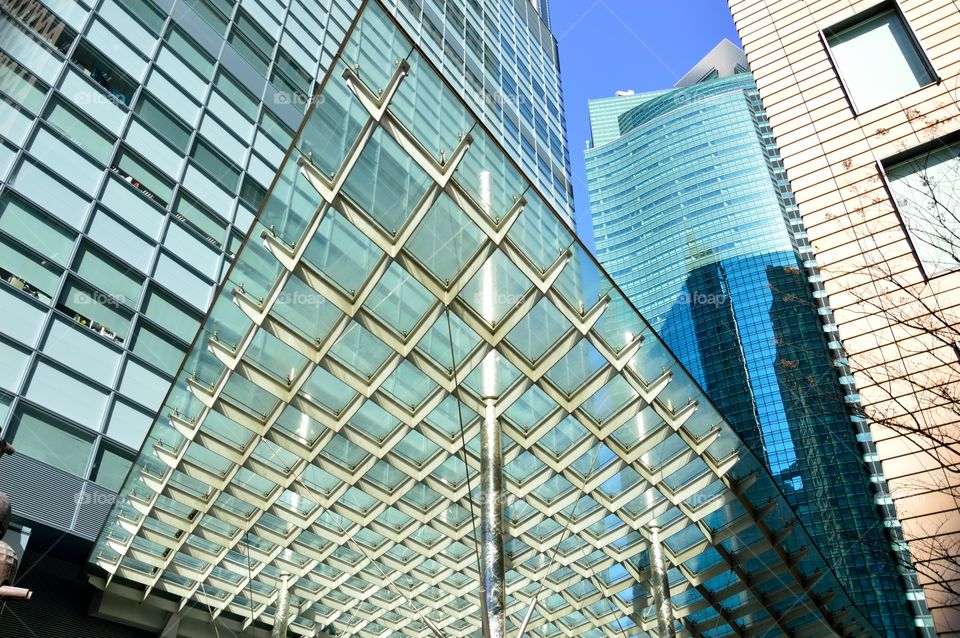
[[642, 45]]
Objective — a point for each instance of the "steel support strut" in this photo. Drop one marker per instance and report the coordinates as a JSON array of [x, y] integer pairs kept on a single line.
[[491, 523], [661, 586], [282, 617]]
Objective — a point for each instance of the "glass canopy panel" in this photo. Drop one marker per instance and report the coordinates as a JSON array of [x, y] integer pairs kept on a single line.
[[301, 307], [399, 300], [386, 182], [360, 483], [445, 240], [294, 201], [539, 330], [495, 289], [490, 179], [430, 110], [333, 128], [342, 253], [358, 349]]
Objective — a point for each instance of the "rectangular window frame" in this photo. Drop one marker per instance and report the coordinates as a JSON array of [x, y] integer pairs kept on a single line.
[[860, 17], [882, 166]]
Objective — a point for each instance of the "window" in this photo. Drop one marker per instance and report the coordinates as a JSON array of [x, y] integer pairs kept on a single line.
[[149, 15], [251, 42], [79, 130], [157, 349], [116, 82], [24, 222], [141, 176], [21, 85], [216, 166], [102, 271], [238, 96], [195, 215], [171, 315], [291, 80], [252, 193], [94, 310], [163, 122], [877, 57], [926, 190], [184, 46], [110, 468], [276, 130], [27, 271], [212, 14], [52, 441]]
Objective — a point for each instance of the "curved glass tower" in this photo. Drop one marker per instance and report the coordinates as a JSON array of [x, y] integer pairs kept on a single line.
[[693, 217]]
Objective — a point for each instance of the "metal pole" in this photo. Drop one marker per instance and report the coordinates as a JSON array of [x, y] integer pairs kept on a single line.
[[282, 617], [491, 523], [661, 586]]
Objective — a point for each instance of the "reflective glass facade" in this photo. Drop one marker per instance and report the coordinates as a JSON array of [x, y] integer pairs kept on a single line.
[[693, 217], [138, 140], [390, 303]]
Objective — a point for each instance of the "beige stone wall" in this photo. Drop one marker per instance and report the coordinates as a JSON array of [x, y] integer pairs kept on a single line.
[[884, 306]]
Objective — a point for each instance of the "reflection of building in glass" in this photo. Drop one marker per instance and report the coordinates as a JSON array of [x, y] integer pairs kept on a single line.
[[694, 219], [865, 115]]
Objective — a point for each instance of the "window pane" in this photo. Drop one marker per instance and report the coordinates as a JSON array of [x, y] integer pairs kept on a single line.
[[49, 440], [110, 468], [26, 271], [195, 216], [878, 60], [108, 276], [80, 131], [210, 15], [94, 311], [148, 14], [22, 221], [236, 94], [190, 51], [145, 179], [20, 84], [927, 193], [171, 315], [116, 82], [157, 349], [163, 122], [216, 166]]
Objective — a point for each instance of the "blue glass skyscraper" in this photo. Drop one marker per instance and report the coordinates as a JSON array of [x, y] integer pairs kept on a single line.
[[693, 217]]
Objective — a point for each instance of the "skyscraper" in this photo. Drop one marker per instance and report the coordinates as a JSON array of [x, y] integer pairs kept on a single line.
[[138, 140], [862, 100], [694, 218]]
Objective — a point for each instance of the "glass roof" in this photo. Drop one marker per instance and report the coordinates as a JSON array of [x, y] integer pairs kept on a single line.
[[325, 422]]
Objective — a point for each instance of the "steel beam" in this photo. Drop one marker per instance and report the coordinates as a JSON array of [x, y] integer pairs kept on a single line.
[[660, 586], [491, 523], [282, 617]]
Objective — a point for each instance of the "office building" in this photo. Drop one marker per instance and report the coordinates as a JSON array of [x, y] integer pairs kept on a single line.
[[419, 407], [861, 98], [138, 141], [693, 217]]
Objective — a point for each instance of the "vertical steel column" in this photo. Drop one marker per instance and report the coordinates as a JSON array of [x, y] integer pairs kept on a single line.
[[491, 523], [661, 586], [282, 617]]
